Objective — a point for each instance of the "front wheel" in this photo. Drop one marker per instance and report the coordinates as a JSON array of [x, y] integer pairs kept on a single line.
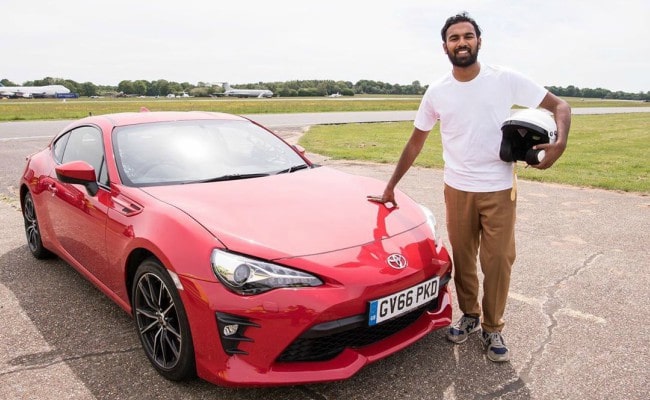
[[32, 230], [162, 323]]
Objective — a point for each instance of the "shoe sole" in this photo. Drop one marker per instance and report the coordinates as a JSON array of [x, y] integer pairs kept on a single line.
[[463, 340], [498, 359], [495, 358]]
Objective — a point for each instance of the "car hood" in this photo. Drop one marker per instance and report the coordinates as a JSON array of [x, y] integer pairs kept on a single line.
[[295, 214]]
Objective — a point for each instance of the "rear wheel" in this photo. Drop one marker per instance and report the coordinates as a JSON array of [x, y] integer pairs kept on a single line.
[[32, 230], [162, 323]]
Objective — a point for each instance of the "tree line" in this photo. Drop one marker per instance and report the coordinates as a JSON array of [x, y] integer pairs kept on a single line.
[[296, 88]]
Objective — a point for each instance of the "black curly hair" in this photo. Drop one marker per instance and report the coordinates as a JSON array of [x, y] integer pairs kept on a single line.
[[460, 17]]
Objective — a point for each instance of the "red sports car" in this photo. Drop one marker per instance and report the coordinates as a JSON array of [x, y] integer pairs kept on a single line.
[[239, 259]]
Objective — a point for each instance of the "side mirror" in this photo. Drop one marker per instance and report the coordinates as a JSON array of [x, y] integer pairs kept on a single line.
[[299, 149], [302, 152], [80, 173]]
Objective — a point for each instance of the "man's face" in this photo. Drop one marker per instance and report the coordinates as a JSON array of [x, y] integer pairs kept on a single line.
[[461, 44]]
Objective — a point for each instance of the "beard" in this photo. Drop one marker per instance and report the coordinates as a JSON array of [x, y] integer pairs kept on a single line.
[[464, 61]]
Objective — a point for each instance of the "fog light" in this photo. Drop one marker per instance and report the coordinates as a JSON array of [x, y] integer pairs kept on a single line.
[[230, 330]]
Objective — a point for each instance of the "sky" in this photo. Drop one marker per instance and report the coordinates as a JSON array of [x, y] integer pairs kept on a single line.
[[585, 43]]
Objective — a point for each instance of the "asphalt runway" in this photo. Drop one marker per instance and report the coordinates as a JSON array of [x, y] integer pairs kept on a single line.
[[574, 323]]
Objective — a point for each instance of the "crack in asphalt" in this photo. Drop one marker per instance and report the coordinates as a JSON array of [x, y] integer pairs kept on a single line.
[[42, 360], [550, 307], [313, 395], [509, 388], [10, 200]]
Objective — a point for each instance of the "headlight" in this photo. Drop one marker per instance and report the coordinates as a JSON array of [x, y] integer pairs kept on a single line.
[[248, 276], [433, 225]]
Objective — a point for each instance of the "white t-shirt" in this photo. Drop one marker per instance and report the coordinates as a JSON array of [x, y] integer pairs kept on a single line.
[[471, 114]]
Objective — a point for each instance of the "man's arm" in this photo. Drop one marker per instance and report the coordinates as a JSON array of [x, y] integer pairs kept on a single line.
[[562, 114], [409, 154]]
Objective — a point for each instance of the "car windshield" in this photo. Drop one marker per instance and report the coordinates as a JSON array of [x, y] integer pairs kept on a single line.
[[181, 152]]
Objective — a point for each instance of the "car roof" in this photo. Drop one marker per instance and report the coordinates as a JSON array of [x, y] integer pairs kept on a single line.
[[144, 117]]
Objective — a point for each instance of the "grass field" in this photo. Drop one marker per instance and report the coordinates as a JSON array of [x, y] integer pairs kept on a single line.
[[36, 109], [26, 110], [604, 151]]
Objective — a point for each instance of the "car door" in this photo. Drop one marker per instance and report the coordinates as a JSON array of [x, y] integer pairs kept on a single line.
[[77, 218]]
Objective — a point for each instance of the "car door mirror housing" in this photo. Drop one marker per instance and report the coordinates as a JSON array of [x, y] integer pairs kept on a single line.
[[80, 173], [299, 149]]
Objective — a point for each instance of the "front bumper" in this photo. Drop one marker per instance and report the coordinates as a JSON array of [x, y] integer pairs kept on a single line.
[[285, 343]]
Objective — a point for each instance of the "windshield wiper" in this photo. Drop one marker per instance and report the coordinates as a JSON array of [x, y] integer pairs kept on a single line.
[[293, 169], [232, 177]]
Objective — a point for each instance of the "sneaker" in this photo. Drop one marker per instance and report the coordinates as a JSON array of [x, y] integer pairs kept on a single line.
[[459, 331], [496, 347]]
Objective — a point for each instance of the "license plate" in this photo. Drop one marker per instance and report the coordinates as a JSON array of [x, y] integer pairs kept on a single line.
[[402, 302]]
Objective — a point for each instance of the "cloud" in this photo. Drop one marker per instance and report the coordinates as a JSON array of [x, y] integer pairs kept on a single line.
[[584, 43]]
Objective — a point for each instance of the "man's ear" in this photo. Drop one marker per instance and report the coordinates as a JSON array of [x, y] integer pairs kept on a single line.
[[444, 47], [479, 42]]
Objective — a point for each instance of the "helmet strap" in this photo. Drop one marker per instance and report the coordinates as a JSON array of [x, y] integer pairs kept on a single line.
[[513, 192]]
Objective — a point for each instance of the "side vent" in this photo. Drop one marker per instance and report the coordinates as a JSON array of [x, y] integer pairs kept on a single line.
[[126, 206], [231, 331]]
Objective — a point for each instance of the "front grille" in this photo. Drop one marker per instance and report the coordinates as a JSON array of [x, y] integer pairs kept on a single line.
[[326, 341]]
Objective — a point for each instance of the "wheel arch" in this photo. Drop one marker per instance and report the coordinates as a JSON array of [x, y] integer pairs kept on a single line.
[[23, 190], [185, 366], [136, 257]]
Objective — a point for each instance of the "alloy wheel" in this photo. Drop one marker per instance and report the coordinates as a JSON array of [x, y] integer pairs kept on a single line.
[[31, 225], [32, 229], [157, 321]]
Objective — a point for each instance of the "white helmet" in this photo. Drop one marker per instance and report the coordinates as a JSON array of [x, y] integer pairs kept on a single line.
[[523, 130]]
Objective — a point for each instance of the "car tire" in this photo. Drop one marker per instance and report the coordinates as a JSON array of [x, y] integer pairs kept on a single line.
[[161, 322], [32, 229]]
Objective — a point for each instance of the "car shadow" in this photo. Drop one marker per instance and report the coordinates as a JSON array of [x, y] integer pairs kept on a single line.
[[97, 341]]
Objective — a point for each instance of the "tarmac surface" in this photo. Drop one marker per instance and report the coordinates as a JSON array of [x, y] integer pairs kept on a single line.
[[575, 320]]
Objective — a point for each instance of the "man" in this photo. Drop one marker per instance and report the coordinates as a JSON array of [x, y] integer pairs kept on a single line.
[[471, 103]]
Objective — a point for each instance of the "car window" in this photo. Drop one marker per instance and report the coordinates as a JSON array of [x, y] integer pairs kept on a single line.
[[59, 147], [190, 151], [85, 144]]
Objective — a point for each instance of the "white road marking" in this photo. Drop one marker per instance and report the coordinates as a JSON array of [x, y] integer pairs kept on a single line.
[[525, 299], [563, 311], [584, 316], [25, 138]]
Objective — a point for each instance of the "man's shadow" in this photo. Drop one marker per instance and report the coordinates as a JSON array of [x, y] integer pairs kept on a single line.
[[97, 341], [432, 368]]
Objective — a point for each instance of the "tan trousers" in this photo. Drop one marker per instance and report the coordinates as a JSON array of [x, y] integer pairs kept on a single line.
[[483, 224]]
